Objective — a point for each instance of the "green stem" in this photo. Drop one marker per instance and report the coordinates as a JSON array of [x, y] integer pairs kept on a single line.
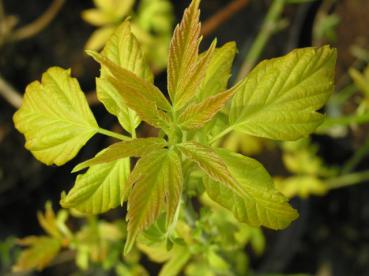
[[352, 163], [344, 121], [347, 180], [267, 30], [221, 134], [113, 134]]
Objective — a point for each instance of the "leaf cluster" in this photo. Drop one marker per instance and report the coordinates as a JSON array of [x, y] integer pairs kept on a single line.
[[278, 100]]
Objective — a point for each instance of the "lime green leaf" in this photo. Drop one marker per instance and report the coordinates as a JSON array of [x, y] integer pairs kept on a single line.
[[100, 189], [179, 258], [360, 80], [134, 148], [97, 17], [138, 94], [124, 50], [259, 204], [116, 9], [279, 98], [42, 250], [197, 115], [48, 221], [209, 162], [55, 117], [302, 186], [218, 71], [98, 38], [185, 69], [156, 183], [155, 15]]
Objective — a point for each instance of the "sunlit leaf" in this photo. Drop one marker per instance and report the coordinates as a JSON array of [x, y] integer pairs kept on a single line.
[[185, 68], [97, 17], [134, 148], [198, 114], [124, 50], [209, 162], [138, 94], [100, 189], [259, 204], [156, 184], [218, 71], [179, 257], [98, 38], [55, 117], [279, 99], [40, 252], [302, 186]]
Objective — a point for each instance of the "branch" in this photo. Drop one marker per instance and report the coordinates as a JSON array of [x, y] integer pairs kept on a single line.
[[39, 24], [222, 16], [10, 94]]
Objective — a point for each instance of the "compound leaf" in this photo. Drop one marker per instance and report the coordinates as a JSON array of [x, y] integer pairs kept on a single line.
[[279, 98], [259, 204], [218, 71], [100, 189], [156, 183], [41, 251], [134, 148], [124, 50], [55, 117]]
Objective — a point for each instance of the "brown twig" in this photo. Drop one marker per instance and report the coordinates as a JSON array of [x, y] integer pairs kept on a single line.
[[39, 24], [222, 16], [10, 94]]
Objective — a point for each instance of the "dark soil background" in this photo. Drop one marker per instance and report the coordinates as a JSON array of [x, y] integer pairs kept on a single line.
[[332, 234]]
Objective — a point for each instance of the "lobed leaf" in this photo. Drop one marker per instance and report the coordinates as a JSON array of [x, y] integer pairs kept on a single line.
[[259, 204], [218, 71], [124, 50], [156, 183], [100, 189], [55, 117], [279, 98], [138, 94], [134, 148]]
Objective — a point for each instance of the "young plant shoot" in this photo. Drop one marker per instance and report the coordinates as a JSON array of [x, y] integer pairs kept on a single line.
[[279, 99]]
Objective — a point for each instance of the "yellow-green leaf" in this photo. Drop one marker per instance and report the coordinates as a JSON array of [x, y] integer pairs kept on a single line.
[[302, 186], [134, 148], [55, 117], [209, 162], [98, 38], [179, 257], [97, 17], [197, 115], [138, 94], [156, 183], [100, 189], [124, 50], [41, 251], [279, 99], [259, 204], [218, 71], [185, 68]]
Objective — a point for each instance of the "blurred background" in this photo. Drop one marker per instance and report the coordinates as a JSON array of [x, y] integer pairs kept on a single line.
[[327, 177]]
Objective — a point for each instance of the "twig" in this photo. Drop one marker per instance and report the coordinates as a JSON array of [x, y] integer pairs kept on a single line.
[[39, 24], [10, 94], [347, 180], [223, 15], [267, 30]]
